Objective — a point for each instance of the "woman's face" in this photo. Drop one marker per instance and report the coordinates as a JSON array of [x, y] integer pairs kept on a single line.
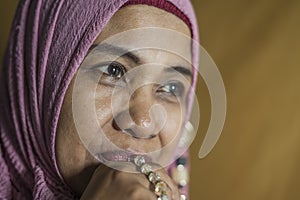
[[126, 99]]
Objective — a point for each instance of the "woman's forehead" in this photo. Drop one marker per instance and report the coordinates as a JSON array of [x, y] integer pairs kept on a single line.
[[146, 34], [142, 16], [151, 61], [139, 56]]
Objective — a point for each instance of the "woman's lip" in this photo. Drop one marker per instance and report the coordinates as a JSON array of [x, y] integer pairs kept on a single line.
[[120, 156]]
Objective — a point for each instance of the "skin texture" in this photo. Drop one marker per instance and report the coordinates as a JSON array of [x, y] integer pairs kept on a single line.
[[77, 163]]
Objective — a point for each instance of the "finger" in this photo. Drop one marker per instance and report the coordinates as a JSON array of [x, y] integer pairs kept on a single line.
[[138, 185], [105, 181], [140, 192]]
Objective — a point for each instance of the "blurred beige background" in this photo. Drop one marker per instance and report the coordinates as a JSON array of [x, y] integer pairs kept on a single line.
[[256, 46]]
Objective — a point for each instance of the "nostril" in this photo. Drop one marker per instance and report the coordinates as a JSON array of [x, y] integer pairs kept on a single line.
[[115, 125], [137, 135], [131, 133]]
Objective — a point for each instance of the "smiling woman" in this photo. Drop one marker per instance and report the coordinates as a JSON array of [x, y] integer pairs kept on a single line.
[[96, 106]]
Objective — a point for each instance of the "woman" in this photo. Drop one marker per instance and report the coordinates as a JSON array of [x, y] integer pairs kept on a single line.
[[49, 146]]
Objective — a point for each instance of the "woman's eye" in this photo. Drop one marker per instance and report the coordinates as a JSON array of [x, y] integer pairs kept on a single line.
[[174, 88], [114, 69]]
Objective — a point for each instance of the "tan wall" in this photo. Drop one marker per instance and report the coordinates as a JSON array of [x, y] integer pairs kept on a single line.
[[256, 46], [7, 11]]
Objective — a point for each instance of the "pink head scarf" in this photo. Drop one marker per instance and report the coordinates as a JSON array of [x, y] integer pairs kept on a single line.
[[48, 41]]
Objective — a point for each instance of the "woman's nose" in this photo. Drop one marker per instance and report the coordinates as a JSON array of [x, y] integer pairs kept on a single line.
[[144, 118]]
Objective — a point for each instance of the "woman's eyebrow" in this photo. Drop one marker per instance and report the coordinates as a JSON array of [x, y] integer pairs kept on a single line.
[[183, 70], [115, 50], [122, 52]]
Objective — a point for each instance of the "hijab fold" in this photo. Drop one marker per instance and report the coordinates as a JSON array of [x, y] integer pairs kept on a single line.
[[48, 41]]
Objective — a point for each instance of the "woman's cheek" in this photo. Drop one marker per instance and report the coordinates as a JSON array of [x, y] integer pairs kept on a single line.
[[103, 103], [172, 129]]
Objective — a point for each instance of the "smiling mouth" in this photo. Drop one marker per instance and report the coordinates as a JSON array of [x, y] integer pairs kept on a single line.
[[120, 156]]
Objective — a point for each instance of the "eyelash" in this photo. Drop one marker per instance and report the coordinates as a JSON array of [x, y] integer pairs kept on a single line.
[[105, 68], [174, 88]]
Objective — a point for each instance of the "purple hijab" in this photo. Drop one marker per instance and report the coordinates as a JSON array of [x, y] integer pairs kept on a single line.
[[48, 41]]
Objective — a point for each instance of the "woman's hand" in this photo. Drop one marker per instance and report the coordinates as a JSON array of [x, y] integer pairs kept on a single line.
[[108, 183]]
